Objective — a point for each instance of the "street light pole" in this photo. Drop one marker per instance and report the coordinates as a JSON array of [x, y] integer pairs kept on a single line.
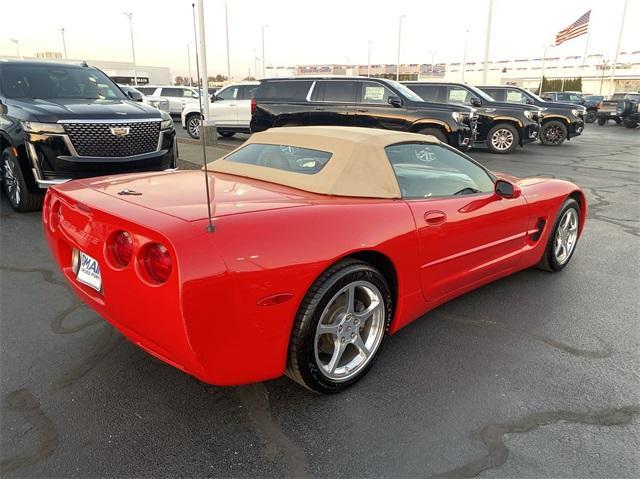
[[615, 59], [487, 43], [133, 50], [433, 55], [226, 27], [399, 40], [369, 60], [64, 44], [264, 58], [464, 57], [255, 63], [16, 41], [189, 61]]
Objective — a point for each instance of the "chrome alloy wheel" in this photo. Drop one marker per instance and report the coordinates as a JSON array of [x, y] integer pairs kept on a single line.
[[566, 236], [11, 182], [502, 139], [553, 134], [194, 126], [349, 331]]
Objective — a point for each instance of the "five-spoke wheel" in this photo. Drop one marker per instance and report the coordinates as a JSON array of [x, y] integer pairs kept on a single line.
[[563, 238]]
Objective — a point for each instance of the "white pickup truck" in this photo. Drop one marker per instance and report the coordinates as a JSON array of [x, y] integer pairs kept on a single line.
[[230, 108]]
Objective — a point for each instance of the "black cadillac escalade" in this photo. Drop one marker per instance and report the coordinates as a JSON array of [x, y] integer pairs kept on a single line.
[[361, 102], [63, 121], [501, 126], [560, 121]]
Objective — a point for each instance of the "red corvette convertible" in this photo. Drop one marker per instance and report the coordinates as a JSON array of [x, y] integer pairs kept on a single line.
[[325, 240]]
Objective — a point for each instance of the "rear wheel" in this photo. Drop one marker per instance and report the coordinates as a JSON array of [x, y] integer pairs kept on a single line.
[[591, 116], [563, 238], [553, 133], [226, 134], [340, 327], [15, 186], [602, 121], [435, 132], [502, 138], [193, 126], [630, 123]]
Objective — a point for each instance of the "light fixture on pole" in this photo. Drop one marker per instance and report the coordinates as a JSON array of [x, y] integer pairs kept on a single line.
[[464, 56], [16, 41], [369, 60], [264, 58], [189, 62], [64, 43], [399, 40], [433, 55], [226, 29], [133, 50]]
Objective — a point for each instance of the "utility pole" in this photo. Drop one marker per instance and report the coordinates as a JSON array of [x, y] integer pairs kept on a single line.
[[487, 43], [369, 60], [133, 50], [16, 41], [189, 61], [464, 56], [433, 55], [264, 58], [399, 41], [226, 24], [615, 60], [64, 44], [255, 63]]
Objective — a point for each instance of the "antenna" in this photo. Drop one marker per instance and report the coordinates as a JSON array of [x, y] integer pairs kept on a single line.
[[210, 227]]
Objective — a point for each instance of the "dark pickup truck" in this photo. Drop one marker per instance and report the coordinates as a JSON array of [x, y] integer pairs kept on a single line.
[[61, 121], [621, 108]]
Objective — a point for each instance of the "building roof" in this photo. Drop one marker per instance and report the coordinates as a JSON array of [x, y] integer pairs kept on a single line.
[[358, 165]]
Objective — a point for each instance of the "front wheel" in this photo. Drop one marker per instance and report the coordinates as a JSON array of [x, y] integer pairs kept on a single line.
[[15, 186], [226, 134], [340, 327], [591, 116], [602, 120], [193, 126], [502, 139], [553, 133], [630, 123], [563, 238]]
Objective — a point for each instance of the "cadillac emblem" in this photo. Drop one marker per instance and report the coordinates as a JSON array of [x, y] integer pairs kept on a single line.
[[119, 131]]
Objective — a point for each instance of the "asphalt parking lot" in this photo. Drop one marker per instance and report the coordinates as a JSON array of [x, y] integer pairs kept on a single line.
[[536, 375]]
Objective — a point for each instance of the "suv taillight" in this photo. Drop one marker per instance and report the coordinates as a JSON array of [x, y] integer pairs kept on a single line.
[[121, 247], [253, 105], [157, 262]]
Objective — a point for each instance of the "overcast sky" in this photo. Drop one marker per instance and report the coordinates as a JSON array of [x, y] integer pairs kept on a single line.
[[311, 31]]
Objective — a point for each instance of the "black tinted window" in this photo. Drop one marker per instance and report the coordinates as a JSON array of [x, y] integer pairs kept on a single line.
[[171, 92], [281, 157], [246, 91], [338, 91], [283, 90], [427, 92], [147, 90], [59, 81], [495, 93], [424, 170]]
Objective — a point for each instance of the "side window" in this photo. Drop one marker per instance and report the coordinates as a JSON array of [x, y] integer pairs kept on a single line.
[[146, 90], [230, 93], [246, 92], [496, 93], [335, 91], [171, 92], [427, 92], [188, 93], [373, 92], [283, 90], [425, 170], [516, 96], [562, 96], [458, 95]]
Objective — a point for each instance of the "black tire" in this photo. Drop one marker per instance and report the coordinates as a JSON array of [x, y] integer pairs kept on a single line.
[[591, 116], [302, 366], [630, 123], [15, 186], [193, 125], [435, 132], [549, 262], [602, 120], [226, 134], [503, 129], [617, 120], [553, 133]]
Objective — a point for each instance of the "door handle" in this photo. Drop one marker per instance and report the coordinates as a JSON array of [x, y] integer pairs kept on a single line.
[[362, 110], [435, 217]]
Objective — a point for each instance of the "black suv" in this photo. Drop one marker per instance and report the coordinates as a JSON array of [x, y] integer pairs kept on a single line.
[[62, 121], [560, 121], [501, 126], [358, 101]]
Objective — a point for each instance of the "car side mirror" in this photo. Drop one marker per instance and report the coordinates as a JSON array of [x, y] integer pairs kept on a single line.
[[529, 101], [476, 101], [216, 98], [506, 189], [134, 95], [395, 101]]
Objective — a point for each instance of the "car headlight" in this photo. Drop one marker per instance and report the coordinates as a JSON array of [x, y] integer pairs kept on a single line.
[[154, 103], [459, 116], [579, 111], [166, 123], [532, 114], [35, 127]]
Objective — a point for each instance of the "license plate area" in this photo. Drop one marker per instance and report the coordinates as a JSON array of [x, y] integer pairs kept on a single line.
[[88, 271]]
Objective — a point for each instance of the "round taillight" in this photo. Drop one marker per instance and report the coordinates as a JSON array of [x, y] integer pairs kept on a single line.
[[122, 248], [157, 262]]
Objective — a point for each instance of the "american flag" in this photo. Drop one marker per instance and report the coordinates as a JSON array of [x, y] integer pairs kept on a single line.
[[577, 28]]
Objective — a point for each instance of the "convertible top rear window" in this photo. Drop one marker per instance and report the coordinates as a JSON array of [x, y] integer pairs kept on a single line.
[[281, 157]]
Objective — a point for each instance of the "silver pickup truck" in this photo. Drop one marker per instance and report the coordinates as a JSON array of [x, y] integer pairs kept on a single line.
[[621, 108]]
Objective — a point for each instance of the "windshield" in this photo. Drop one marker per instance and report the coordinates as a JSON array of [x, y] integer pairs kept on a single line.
[[58, 81], [479, 93], [408, 94]]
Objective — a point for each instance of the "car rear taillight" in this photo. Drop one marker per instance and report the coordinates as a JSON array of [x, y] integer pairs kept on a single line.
[[157, 262], [121, 247], [55, 215], [253, 105]]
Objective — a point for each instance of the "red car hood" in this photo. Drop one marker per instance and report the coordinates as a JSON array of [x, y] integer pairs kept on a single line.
[[182, 193]]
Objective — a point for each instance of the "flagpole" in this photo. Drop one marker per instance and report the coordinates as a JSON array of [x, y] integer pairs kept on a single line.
[[586, 44], [615, 60]]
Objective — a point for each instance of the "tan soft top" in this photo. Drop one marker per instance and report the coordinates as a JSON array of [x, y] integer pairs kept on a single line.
[[358, 165]]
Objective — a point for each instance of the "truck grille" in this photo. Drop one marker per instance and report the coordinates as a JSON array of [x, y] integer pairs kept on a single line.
[[98, 140]]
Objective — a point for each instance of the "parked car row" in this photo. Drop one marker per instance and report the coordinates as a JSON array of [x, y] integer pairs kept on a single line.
[[621, 108]]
